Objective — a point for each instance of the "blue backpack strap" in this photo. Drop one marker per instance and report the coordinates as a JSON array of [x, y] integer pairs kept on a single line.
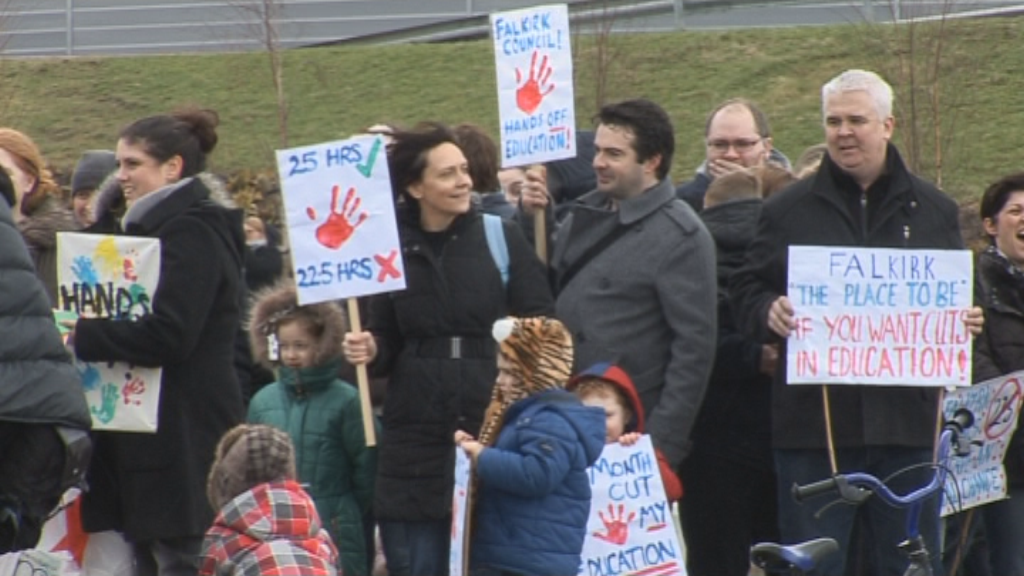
[[495, 232]]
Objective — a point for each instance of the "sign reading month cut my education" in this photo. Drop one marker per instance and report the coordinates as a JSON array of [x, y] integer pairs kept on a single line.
[[879, 316], [533, 62]]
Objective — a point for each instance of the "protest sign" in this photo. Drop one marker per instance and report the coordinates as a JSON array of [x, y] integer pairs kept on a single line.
[[879, 316], [458, 552], [979, 477], [631, 529], [341, 219], [101, 276], [533, 61]]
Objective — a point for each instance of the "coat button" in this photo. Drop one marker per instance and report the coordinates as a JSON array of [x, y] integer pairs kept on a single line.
[[604, 283]]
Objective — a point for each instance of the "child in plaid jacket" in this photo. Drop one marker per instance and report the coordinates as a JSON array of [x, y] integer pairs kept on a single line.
[[266, 525]]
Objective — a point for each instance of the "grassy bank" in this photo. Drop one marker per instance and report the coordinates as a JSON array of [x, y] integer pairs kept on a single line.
[[69, 105]]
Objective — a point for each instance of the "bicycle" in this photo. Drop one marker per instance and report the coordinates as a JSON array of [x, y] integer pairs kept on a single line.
[[855, 488]]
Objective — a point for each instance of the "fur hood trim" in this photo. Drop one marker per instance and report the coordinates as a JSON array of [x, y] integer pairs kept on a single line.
[[109, 196], [276, 303]]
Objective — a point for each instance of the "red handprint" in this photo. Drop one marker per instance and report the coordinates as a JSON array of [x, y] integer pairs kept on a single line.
[[132, 389], [616, 526], [339, 226], [531, 93]]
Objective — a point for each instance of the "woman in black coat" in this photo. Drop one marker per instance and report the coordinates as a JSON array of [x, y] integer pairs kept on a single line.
[[434, 341], [151, 487], [1000, 350]]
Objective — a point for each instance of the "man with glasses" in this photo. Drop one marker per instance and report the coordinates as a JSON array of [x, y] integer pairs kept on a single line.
[[736, 136]]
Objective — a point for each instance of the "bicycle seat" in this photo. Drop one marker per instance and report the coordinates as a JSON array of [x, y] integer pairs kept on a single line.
[[776, 558]]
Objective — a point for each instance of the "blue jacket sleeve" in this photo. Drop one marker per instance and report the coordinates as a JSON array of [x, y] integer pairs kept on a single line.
[[541, 463]]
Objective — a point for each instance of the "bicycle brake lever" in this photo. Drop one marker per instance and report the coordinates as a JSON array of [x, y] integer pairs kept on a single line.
[[851, 494]]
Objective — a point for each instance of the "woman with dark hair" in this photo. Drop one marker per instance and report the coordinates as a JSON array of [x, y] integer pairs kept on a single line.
[[434, 341], [38, 209], [1000, 350], [151, 487]]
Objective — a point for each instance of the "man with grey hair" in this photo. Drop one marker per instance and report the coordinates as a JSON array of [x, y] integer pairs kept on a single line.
[[863, 195]]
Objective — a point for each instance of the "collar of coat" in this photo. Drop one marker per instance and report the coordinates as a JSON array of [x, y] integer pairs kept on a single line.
[[895, 187], [638, 207]]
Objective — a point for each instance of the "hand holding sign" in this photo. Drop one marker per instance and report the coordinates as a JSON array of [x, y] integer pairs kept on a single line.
[[530, 94], [616, 526]]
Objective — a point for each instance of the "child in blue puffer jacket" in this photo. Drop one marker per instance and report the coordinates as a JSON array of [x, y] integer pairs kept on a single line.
[[531, 460]]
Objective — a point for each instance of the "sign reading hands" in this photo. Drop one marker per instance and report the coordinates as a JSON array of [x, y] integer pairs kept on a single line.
[[341, 219], [535, 91]]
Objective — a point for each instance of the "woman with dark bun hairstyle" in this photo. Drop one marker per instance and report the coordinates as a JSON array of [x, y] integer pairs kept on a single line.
[[151, 487]]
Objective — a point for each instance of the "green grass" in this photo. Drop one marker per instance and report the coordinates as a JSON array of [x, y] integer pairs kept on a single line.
[[69, 105]]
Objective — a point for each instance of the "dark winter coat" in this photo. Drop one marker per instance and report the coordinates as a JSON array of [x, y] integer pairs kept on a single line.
[[903, 211], [40, 233], [1000, 348], [455, 292], [735, 418], [152, 486], [38, 383], [271, 530], [534, 497], [645, 303]]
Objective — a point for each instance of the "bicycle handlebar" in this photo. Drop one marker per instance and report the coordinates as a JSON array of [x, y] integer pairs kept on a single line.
[[856, 487]]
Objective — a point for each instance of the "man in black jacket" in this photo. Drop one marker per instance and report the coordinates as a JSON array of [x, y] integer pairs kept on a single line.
[[863, 195]]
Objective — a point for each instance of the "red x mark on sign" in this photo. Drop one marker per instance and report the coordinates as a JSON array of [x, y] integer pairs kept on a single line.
[[387, 266]]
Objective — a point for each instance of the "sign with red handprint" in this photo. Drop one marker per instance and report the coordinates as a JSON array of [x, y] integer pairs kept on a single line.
[[631, 529], [340, 216], [535, 91]]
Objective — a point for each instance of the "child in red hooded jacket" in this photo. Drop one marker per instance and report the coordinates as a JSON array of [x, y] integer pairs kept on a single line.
[[606, 386]]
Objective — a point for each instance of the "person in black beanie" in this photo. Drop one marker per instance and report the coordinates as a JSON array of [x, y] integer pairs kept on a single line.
[[92, 169]]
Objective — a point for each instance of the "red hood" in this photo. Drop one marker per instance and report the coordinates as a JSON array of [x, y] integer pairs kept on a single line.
[[617, 376]]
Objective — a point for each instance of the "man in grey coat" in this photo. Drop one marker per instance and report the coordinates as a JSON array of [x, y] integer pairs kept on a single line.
[[634, 270]]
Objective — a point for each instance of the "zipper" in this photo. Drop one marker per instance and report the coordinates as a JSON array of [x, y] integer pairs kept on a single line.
[[864, 216]]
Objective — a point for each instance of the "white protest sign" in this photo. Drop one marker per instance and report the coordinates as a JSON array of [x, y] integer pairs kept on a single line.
[[112, 277], [341, 219], [979, 477], [533, 61], [631, 529], [460, 497], [879, 316]]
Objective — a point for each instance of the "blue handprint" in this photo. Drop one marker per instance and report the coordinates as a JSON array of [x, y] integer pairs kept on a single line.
[[83, 269], [89, 374], [105, 413]]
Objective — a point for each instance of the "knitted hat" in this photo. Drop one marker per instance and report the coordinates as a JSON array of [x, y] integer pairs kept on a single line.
[[91, 169], [248, 455]]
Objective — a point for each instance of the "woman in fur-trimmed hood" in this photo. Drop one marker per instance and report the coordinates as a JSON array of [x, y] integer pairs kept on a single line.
[[320, 412]]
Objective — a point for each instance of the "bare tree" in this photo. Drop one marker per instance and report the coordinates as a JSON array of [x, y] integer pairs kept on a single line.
[[262, 20], [919, 53]]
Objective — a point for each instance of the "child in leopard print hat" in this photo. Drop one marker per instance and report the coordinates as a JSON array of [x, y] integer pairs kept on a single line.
[[531, 460]]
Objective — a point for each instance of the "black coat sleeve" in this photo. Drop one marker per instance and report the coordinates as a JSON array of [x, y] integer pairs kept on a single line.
[[760, 281], [528, 291], [190, 275]]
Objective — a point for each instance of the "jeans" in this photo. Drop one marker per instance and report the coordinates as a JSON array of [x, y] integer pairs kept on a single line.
[[1004, 527], [884, 527], [416, 548]]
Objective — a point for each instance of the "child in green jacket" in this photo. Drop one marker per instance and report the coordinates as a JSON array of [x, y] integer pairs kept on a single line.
[[319, 411]]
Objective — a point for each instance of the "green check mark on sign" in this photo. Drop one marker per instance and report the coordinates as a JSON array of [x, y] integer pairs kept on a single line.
[[366, 168]]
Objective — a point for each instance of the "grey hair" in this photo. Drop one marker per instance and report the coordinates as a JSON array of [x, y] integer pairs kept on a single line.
[[862, 80]]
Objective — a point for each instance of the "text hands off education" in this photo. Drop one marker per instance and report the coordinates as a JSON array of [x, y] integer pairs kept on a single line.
[[340, 225], [616, 525], [531, 93]]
